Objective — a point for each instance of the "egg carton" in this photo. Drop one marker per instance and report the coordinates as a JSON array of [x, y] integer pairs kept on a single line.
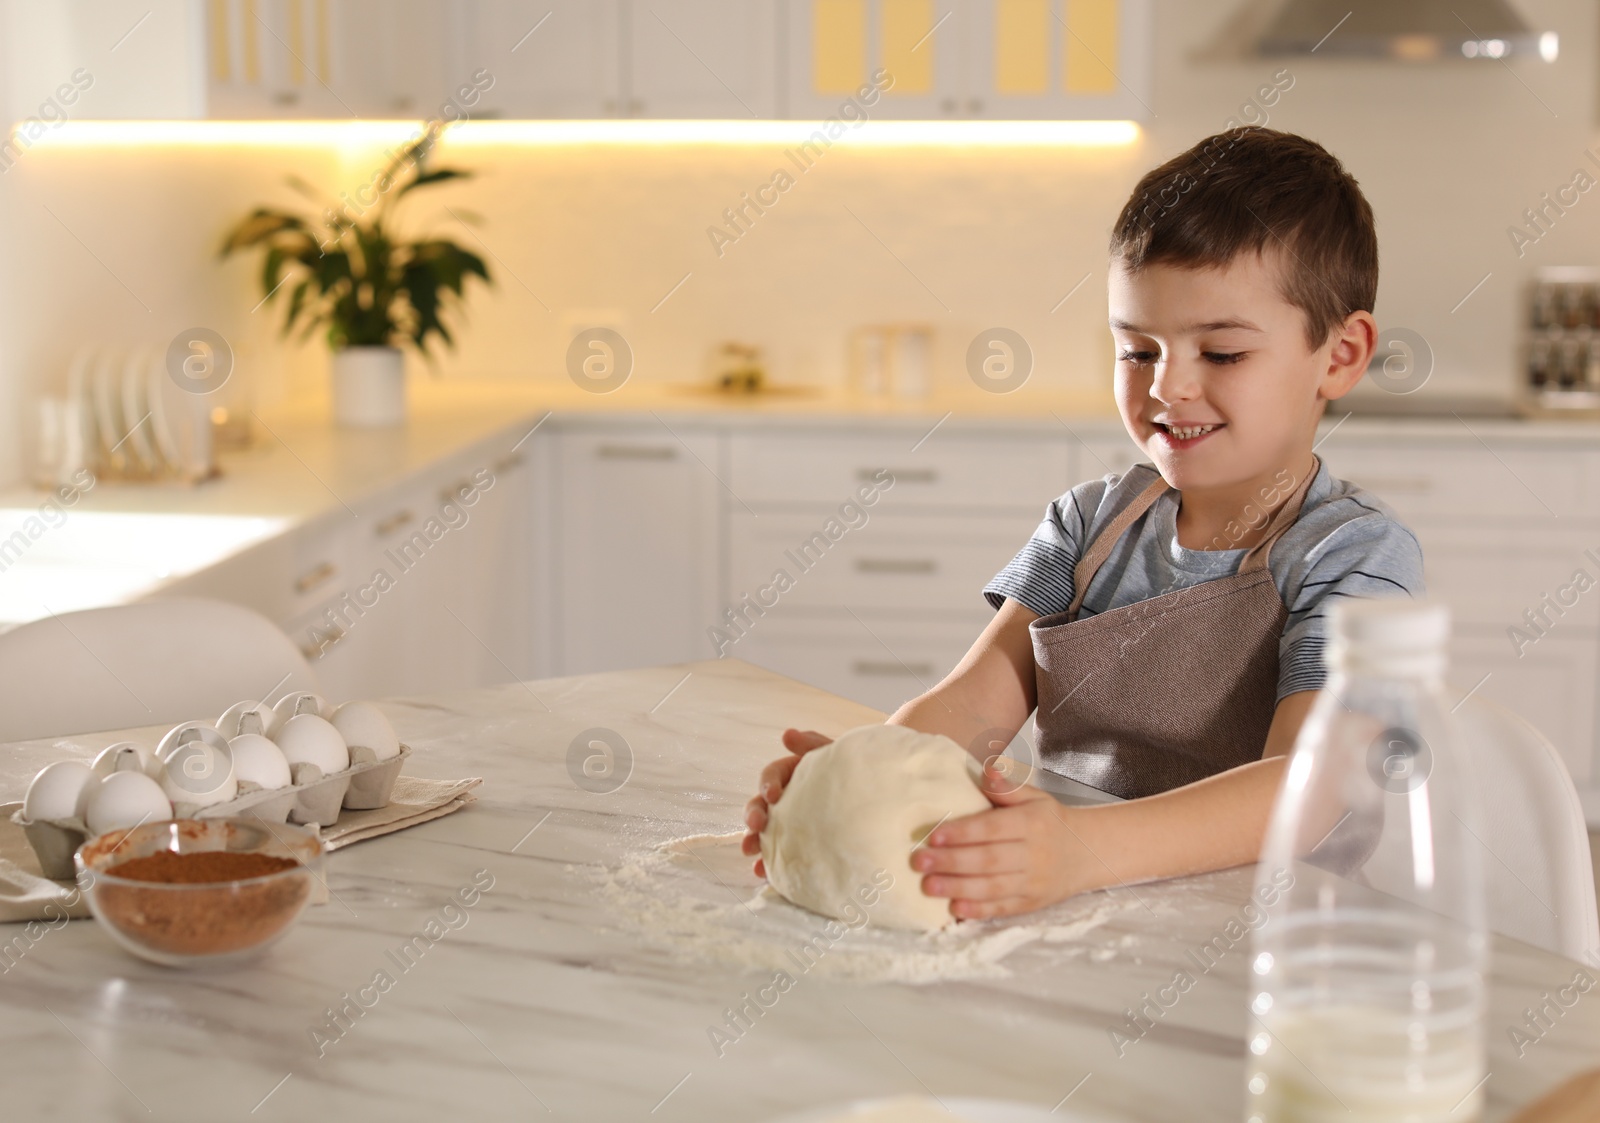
[[313, 798]]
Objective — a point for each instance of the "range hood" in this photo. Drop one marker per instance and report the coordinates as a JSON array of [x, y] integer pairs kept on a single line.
[[1406, 30]]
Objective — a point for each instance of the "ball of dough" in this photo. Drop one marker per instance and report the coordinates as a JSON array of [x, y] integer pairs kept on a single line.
[[856, 809]]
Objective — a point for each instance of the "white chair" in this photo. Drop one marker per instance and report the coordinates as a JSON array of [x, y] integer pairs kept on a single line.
[[1538, 869], [157, 661]]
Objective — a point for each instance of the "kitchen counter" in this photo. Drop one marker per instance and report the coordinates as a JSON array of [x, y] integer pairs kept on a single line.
[[548, 1002], [302, 466], [122, 541]]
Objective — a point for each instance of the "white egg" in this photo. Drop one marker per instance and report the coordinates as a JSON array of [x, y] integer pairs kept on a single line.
[[179, 734], [199, 772], [247, 717], [125, 756], [362, 725], [299, 702], [125, 799], [309, 739], [59, 791], [258, 761]]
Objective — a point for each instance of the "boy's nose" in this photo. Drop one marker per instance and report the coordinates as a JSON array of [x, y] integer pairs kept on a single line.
[[1174, 382]]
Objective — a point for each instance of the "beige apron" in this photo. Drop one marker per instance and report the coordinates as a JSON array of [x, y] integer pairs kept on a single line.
[[1166, 691]]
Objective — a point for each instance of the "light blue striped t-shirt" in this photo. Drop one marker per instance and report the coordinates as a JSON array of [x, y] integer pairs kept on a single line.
[[1346, 543]]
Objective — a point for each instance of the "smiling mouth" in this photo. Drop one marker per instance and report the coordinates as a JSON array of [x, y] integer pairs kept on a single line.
[[1187, 432]]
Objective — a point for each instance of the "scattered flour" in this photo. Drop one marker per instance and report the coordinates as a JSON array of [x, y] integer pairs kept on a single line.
[[699, 897]]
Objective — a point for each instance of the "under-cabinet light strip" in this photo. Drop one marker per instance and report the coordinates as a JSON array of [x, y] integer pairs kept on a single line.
[[512, 134]]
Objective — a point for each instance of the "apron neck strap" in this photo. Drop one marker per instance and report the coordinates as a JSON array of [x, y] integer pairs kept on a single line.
[[1100, 549], [1282, 519]]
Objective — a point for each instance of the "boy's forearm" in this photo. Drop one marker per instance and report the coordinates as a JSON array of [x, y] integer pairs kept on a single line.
[[940, 712], [992, 688], [1211, 824]]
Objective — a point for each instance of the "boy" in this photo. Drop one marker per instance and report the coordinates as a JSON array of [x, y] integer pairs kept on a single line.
[[1168, 624]]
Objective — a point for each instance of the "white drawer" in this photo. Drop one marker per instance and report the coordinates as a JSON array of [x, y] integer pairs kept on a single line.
[[320, 560], [1491, 575], [893, 561], [985, 472], [1471, 480], [881, 664], [1551, 685], [1100, 456]]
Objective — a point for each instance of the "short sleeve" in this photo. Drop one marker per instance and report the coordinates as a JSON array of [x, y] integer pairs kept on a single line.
[[1040, 577], [1368, 555]]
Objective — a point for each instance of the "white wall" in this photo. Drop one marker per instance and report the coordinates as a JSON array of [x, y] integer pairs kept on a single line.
[[1449, 156]]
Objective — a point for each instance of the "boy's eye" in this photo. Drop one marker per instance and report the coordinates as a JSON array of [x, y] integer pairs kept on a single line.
[[1223, 358], [1137, 358]]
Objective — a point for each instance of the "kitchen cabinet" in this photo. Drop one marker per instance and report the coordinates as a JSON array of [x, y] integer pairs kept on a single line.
[[909, 48], [1551, 684], [885, 596], [880, 662], [924, 564], [1058, 59], [1504, 525], [986, 59], [822, 468], [700, 58], [438, 594], [578, 59], [332, 60], [636, 545], [429, 584], [546, 58]]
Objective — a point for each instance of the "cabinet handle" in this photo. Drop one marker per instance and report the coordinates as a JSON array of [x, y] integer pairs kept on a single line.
[[330, 636], [1381, 484], [948, 105], [975, 105], [901, 475], [636, 452], [314, 576], [896, 565], [393, 523], [452, 494], [880, 669]]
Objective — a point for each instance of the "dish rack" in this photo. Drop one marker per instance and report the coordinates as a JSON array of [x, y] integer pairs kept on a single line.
[[123, 416]]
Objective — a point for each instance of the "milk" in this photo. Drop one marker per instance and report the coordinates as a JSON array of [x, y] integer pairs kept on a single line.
[[1338, 1063]]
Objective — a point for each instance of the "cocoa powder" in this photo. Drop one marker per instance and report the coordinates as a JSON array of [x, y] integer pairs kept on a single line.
[[191, 909], [201, 866]]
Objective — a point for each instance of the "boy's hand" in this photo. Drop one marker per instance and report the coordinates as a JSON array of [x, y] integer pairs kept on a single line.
[[1018, 856], [774, 778]]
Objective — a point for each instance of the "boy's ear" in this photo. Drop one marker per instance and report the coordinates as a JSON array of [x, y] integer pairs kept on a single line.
[[1354, 343]]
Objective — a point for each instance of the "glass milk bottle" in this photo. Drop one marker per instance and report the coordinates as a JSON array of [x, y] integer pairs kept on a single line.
[[1366, 989]]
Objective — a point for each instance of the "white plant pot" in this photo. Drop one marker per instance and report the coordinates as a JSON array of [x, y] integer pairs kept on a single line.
[[369, 387]]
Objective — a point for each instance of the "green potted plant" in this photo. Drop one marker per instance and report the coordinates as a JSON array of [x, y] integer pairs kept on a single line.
[[371, 290]]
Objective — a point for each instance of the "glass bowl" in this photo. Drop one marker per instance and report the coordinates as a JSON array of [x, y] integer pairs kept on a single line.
[[196, 924]]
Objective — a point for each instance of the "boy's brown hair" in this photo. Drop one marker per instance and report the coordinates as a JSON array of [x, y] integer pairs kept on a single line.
[[1257, 190]]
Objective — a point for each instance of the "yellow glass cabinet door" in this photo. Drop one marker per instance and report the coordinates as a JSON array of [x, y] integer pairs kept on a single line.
[[990, 59]]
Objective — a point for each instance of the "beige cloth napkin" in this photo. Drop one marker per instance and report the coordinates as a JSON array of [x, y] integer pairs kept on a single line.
[[414, 801], [25, 894]]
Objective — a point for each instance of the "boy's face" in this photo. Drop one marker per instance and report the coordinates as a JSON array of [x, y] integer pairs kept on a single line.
[[1213, 377]]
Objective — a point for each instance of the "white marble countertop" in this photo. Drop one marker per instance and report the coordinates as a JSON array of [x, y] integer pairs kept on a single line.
[[546, 1003]]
